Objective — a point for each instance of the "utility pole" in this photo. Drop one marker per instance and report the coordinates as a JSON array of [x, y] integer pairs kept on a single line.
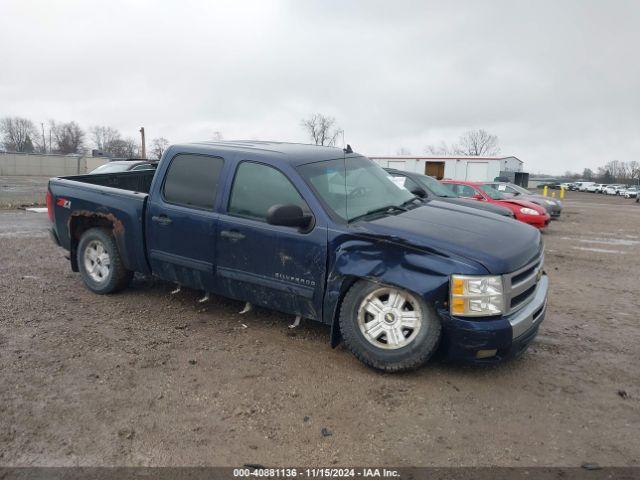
[[144, 148], [44, 141]]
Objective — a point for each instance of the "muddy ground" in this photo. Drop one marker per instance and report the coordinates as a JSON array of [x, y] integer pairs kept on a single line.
[[147, 378]]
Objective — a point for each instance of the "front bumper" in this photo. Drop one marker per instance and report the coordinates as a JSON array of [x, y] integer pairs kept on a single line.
[[554, 210], [509, 335]]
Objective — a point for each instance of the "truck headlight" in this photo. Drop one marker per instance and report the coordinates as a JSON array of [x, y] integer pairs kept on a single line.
[[528, 211], [476, 296]]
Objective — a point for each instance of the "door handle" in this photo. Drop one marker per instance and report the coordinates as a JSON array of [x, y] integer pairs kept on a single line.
[[232, 235], [161, 219]]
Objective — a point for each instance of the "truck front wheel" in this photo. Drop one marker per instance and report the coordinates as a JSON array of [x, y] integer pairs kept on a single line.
[[388, 328], [100, 263]]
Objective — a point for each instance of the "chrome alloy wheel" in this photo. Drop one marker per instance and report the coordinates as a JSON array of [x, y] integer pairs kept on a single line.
[[97, 262], [390, 318]]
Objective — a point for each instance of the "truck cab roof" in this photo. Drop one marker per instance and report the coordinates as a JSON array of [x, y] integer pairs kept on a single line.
[[292, 153]]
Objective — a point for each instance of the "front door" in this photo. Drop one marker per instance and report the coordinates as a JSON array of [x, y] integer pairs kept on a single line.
[[181, 224], [277, 267]]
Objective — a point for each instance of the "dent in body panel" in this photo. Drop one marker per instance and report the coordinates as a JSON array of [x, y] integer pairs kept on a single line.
[[354, 256]]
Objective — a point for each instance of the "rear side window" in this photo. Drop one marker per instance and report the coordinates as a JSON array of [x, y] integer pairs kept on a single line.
[[192, 180], [257, 188], [462, 190]]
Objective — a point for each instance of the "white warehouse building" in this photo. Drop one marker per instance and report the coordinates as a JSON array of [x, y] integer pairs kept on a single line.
[[472, 169]]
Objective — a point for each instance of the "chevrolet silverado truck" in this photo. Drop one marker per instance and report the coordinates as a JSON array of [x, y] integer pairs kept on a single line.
[[317, 232]]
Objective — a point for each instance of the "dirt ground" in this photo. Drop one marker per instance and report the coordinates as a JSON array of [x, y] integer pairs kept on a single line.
[[16, 191], [148, 378]]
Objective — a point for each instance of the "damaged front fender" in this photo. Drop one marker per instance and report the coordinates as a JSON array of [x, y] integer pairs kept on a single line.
[[354, 257]]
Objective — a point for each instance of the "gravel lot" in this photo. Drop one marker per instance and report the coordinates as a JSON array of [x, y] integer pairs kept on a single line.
[[149, 378], [16, 191]]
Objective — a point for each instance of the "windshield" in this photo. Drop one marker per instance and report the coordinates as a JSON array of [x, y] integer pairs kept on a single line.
[[112, 167], [491, 192], [435, 186], [353, 187], [520, 189]]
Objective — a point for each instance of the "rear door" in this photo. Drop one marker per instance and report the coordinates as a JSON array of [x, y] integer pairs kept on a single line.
[[281, 268], [181, 222]]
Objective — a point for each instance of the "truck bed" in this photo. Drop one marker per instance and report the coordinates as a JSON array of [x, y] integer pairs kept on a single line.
[[118, 199], [132, 181]]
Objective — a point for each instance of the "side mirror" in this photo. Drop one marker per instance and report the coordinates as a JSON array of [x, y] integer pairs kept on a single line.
[[477, 196], [288, 216], [419, 192]]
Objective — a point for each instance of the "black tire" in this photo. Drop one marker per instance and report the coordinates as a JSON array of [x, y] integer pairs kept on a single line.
[[117, 277], [409, 357]]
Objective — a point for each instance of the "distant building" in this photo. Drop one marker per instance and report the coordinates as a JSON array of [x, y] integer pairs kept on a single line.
[[473, 169]]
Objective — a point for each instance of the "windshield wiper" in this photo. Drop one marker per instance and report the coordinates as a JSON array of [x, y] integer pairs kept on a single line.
[[388, 208], [413, 199]]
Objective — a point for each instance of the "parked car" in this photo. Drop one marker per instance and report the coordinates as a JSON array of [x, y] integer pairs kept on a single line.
[[599, 187], [124, 166], [631, 192], [551, 205], [614, 189], [582, 186], [566, 186], [317, 232], [592, 188], [429, 188], [524, 210]]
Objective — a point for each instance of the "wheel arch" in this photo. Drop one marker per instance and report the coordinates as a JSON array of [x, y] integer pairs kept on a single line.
[[436, 295], [80, 222]]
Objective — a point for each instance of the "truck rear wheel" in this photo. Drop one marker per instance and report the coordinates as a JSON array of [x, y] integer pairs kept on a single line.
[[388, 328], [100, 263]]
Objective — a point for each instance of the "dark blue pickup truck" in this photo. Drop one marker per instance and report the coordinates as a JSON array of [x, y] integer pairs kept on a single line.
[[317, 232]]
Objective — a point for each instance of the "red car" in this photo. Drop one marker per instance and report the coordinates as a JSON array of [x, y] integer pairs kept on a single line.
[[526, 212]]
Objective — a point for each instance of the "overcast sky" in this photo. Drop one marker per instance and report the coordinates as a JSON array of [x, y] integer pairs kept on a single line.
[[557, 81]]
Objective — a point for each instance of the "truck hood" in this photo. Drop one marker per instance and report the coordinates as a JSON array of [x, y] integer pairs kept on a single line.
[[499, 244]]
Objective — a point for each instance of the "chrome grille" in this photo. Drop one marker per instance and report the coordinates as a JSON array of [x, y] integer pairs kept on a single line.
[[520, 286]]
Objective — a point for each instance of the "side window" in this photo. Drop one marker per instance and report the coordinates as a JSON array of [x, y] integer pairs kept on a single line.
[[404, 182], [258, 187], [192, 180], [143, 166], [463, 190]]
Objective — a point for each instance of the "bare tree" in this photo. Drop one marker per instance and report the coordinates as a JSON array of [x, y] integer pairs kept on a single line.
[[322, 130], [67, 137], [442, 149], [104, 137], [635, 170], [217, 136], [478, 143], [124, 148], [18, 134], [403, 151], [158, 146]]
